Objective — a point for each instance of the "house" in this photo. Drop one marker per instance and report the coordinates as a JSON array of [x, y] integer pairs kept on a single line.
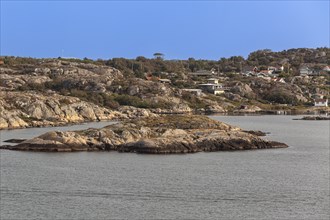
[[321, 102], [165, 81], [271, 69], [215, 88], [305, 70], [248, 73], [213, 80], [279, 69], [262, 74], [248, 70], [266, 72], [197, 92], [280, 80], [326, 68], [218, 91]]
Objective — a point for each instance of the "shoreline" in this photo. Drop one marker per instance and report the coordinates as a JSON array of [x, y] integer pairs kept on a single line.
[[259, 113]]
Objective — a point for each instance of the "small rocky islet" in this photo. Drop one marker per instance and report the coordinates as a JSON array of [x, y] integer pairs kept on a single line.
[[163, 134], [314, 118]]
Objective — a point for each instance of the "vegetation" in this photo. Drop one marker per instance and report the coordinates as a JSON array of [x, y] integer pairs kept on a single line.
[[291, 60], [129, 90]]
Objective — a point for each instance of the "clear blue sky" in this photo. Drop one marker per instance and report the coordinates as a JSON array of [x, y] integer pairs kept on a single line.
[[199, 29]]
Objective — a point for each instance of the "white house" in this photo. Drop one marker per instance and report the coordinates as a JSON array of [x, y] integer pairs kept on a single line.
[[168, 81], [321, 102], [214, 88], [218, 91], [305, 71]]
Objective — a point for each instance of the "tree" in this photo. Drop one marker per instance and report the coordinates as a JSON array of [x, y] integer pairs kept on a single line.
[[159, 56]]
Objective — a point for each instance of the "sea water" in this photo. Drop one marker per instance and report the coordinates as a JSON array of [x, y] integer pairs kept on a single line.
[[286, 183]]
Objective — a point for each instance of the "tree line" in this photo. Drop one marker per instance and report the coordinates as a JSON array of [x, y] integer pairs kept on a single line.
[[137, 67]]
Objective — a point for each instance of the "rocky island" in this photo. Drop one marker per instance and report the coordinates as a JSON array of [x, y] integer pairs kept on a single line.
[[314, 118], [153, 135]]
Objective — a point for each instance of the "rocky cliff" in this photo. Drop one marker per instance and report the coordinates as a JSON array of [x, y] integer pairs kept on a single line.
[[155, 135]]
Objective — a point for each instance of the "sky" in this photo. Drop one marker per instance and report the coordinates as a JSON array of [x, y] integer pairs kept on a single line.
[[178, 29]]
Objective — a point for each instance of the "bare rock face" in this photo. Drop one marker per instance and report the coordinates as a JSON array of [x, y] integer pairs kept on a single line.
[[156, 135], [29, 109], [233, 97], [242, 89], [57, 141], [132, 112]]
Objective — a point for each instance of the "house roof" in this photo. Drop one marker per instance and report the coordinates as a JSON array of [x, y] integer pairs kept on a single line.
[[326, 68], [164, 80], [206, 84], [192, 90], [210, 84]]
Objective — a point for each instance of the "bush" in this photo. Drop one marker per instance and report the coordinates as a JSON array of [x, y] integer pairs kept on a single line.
[[193, 101], [281, 97], [140, 103]]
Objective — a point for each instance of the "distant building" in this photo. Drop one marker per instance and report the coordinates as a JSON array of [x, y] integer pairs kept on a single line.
[[213, 80], [280, 80], [165, 81], [321, 102], [214, 88], [218, 91], [305, 70], [309, 71], [326, 68], [271, 69], [249, 69]]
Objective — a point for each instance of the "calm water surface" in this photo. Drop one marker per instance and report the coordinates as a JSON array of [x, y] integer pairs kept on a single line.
[[291, 183]]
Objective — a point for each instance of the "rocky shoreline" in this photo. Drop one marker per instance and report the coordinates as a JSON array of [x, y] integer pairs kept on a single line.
[[153, 135], [313, 118]]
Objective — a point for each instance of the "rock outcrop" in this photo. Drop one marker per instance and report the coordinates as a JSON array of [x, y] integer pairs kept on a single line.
[[31, 109], [155, 135]]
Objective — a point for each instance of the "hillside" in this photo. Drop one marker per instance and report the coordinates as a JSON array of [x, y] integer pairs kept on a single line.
[[43, 92]]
